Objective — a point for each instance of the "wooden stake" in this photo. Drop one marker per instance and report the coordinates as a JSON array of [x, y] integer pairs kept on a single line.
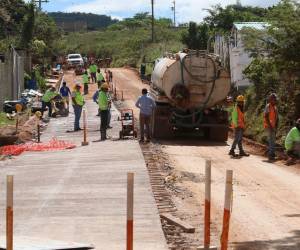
[[207, 203], [85, 142], [38, 132], [9, 213], [227, 209], [122, 96], [17, 122], [207, 208], [130, 186]]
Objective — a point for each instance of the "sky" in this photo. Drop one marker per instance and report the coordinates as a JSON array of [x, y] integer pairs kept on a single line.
[[186, 10]]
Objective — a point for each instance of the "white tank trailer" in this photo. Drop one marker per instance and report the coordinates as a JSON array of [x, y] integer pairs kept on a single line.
[[189, 89]]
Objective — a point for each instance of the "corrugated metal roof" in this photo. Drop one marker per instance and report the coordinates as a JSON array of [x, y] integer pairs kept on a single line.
[[254, 25], [26, 243]]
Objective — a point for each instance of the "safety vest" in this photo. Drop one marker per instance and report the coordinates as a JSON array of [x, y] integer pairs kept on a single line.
[[238, 118], [48, 96], [78, 98], [103, 100], [85, 78], [93, 68], [272, 116], [100, 77]]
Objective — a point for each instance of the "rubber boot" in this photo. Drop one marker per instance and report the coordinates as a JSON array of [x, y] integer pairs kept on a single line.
[[243, 153], [232, 153], [103, 135]]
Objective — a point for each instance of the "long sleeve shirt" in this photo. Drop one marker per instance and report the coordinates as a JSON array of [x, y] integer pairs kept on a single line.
[[292, 137], [146, 105]]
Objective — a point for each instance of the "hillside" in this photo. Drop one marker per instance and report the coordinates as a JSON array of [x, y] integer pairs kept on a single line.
[[127, 42], [76, 21]]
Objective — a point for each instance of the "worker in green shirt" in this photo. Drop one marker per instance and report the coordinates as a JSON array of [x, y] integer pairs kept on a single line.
[[93, 71], [103, 102], [49, 95], [78, 102], [100, 77], [292, 144], [85, 81]]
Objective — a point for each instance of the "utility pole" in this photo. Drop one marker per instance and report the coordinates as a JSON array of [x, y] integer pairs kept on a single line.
[[40, 3], [173, 8], [152, 5]]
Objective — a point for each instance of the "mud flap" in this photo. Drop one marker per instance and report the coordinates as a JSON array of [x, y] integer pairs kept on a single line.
[[160, 124]]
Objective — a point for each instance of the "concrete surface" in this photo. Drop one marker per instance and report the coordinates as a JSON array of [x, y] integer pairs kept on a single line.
[[80, 194]]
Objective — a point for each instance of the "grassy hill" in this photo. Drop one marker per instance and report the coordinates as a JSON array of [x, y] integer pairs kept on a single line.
[[127, 42]]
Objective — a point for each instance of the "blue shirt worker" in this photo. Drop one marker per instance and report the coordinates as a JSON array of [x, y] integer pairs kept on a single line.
[[78, 102], [146, 105], [65, 93]]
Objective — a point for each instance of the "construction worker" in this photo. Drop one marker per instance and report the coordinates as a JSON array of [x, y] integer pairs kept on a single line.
[[85, 81], [93, 72], [47, 98], [110, 75], [292, 144], [78, 102], [146, 105], [65, 93], [99, 77], [238, 123], [103, 102], [271, 124]]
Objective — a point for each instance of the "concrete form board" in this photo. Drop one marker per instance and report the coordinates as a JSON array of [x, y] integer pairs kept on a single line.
[[25, 243]]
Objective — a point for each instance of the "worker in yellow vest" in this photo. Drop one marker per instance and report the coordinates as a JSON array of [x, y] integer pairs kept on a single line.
[[292, 144], [104, 102], [271, 124], [93, 72], [47, 98], [78, 102], [238, 124]]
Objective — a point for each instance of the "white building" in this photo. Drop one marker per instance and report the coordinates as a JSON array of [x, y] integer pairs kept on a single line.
[[232, 52]]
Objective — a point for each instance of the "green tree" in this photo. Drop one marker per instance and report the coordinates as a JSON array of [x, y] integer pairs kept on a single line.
[[28, 27], [196, 37], [221, 19]]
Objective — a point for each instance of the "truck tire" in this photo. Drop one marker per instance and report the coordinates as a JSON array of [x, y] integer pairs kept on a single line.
[[219, 134], [161, 127]]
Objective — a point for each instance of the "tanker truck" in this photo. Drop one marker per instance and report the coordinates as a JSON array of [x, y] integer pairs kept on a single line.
[[189, 89]]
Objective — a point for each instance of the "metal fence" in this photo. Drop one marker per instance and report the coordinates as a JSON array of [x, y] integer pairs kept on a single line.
[[11, 76]]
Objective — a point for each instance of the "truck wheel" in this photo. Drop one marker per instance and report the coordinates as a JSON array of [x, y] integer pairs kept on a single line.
[[218, 134]]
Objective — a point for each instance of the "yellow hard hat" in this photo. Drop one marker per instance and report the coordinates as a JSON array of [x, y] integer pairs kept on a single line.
[[105, 86], [240, 98], [38, 114]]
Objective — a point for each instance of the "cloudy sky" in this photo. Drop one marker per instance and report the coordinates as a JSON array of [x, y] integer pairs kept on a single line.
[[187, 10]]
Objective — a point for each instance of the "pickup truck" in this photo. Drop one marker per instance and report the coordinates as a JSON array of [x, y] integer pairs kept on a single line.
[[74, 60]]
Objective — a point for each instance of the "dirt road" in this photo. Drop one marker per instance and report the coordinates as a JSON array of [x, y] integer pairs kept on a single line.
[[266, 197]]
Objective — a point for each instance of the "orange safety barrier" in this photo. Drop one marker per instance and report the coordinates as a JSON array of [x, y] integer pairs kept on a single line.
[[52, 145]]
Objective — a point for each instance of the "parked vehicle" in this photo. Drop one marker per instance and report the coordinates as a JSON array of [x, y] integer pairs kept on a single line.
[[74, 60], [188, 88]]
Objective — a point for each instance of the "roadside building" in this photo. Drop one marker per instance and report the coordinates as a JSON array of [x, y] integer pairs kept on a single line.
[[233, 54]]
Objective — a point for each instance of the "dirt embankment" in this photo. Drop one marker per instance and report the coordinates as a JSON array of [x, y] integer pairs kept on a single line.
[[265, 203]]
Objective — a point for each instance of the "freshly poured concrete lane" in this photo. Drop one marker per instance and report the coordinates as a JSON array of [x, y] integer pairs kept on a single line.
[[79, 195]]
